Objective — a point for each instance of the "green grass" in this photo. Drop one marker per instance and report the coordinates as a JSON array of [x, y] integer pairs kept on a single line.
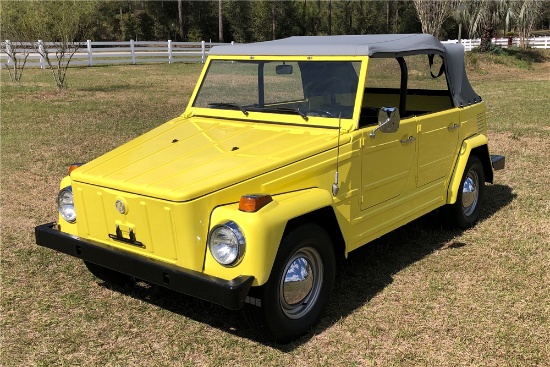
[[420, 296]]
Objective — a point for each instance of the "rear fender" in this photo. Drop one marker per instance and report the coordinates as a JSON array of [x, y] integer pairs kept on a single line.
[[475, 145]]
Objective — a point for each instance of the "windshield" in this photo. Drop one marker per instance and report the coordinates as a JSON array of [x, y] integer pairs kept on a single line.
[[305, 88]]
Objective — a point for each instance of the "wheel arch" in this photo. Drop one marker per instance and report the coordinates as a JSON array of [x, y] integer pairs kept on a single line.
[[266, 228], [476, 145], [482, 152], [326, 219]]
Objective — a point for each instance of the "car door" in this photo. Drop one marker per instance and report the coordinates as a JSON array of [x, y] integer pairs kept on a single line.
[[437, 140], [387, 164]]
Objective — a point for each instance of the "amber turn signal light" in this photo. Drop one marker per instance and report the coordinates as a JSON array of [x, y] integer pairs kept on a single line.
[[74, 166], [253, 203]]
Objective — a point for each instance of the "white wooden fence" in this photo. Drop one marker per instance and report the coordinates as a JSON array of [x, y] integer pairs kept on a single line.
[[126, 52], [133, 52], [534, 42]]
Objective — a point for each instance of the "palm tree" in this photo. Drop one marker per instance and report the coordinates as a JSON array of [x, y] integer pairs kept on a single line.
[[526, 13], [484, 16]]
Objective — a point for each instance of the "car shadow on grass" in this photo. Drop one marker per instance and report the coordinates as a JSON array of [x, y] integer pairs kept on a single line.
[[366, 272]]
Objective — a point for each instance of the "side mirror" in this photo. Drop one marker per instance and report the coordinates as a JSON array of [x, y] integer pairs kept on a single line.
[[388, 121], [283, 69]]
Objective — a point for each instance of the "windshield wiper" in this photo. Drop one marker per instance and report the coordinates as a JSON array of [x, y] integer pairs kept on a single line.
[[228, 104], [283, 110]]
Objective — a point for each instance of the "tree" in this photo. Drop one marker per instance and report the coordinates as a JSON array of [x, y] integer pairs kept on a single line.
[[17, 57], [15, 48], [527, 13], [433, 13], [484, 16], [61, 24]]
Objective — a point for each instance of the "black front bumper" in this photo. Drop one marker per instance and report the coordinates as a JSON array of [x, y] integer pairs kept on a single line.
[[228, 293]]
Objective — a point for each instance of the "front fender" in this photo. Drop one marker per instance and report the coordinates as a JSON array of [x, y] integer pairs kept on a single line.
[[263, 231], [465, 150]]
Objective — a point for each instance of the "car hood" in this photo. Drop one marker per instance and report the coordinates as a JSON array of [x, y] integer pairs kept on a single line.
[[187, 158]]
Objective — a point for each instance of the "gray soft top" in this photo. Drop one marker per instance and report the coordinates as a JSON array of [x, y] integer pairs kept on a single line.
[[375, 45]]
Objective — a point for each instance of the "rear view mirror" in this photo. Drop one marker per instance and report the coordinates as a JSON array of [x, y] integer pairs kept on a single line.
[[388, 121], [283, 69]]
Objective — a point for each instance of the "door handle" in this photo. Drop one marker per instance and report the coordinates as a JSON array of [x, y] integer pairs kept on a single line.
[[453, 127], [409, 140]]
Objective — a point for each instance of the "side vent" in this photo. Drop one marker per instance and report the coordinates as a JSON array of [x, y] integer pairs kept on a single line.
[[481, 122]]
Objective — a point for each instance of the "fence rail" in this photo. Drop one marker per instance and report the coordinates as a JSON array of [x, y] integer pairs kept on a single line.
[[505, 42], [134, 52], [126, 52]]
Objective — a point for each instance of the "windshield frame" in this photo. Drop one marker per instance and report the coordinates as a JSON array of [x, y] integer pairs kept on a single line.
[[283, 117]]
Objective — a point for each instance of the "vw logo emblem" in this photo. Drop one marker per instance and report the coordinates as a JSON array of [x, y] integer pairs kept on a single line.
[[120, 206]]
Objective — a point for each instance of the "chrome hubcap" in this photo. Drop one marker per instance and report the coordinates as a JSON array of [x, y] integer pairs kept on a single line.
[[301, 282], [470, 193]]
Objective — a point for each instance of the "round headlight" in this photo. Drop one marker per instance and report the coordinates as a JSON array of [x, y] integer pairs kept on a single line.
[[227, 243], [65, 204]]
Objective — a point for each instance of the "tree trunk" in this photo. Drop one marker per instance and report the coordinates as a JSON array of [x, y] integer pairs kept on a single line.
[[396, 27], [220, 21], [273, 22], [487, 33], [387, 16], [180, 18], [329, 17]]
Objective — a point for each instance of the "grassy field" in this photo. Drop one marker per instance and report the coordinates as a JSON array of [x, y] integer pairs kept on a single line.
[[421, 296]]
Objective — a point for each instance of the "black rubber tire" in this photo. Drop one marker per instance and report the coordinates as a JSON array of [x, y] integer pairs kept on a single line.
[[459, 215], [267, 314], [110, 276]]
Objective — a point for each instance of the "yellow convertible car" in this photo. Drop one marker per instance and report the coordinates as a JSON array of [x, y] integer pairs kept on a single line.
[[290, 154]]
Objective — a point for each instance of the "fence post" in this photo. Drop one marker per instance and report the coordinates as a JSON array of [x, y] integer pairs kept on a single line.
[[203, 52], [89, 47], [133, 55], [8, 51], [41, 52], [169, 51]]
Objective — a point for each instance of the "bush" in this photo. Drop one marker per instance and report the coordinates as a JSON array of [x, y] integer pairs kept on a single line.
[[491, 49]]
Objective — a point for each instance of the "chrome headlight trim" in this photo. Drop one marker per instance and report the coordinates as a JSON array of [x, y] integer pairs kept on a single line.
[[227, 243], [65, 204]]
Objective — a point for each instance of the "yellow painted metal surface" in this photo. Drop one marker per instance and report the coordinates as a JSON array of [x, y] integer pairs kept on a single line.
[[186, 176], [263, 231], [465, 150], [188, 158]]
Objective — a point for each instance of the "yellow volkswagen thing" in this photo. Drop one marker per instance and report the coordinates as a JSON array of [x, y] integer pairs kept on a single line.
[[290, 154]]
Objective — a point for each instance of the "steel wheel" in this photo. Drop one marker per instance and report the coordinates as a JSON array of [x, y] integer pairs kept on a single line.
[[470, 192], [301, 283], [302, 276], [465, 212]]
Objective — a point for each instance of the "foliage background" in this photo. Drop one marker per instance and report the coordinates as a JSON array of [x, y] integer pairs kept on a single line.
[[242, 21]]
